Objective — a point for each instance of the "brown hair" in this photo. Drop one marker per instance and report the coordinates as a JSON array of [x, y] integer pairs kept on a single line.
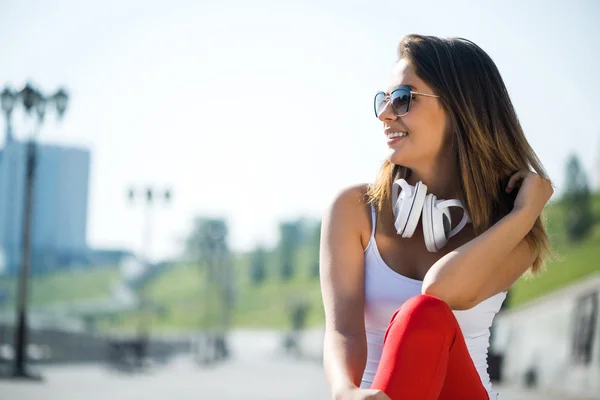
[[486, 133]]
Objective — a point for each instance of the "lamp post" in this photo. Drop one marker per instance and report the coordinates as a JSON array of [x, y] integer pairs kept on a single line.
[[149, 196], [30, 98]]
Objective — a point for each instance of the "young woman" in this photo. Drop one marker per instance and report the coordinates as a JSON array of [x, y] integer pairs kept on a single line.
[[411, 283]]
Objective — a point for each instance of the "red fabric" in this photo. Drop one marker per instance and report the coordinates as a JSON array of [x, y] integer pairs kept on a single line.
[[425, 356]]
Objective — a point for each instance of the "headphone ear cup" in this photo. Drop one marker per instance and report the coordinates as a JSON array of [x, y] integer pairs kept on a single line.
[[420, 193], [428, 233], [441, 225]]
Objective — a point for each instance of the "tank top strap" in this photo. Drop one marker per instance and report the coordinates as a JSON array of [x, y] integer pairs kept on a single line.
[[373, 221]]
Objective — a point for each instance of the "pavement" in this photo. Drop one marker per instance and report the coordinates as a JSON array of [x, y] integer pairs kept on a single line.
[[258, 370]]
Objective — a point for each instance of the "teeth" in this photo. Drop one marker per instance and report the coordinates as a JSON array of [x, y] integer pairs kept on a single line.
[[396, 134]]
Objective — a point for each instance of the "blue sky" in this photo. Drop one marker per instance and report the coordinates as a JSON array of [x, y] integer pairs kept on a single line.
[[260, 111]]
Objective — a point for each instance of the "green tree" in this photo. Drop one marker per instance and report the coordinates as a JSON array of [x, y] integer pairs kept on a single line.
[[207, 243], [290, 236], [258, 266], [578, 211]]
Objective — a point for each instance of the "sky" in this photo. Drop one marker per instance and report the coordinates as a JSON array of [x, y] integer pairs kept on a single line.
[[262, 111]]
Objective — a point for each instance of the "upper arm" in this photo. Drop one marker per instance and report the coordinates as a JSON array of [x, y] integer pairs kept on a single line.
[[509, 272], [342, 262], [504, 275], [463, 284]]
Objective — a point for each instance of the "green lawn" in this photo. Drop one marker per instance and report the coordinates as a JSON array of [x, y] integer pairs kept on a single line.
[[64, 286], [187, 298], [572, 261]]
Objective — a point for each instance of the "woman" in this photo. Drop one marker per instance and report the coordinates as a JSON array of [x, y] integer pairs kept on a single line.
[[409, 293]]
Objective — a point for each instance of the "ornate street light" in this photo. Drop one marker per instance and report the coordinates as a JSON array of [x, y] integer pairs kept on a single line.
[[60, 99], [30, 99], [29, 96], [7, 100], [150, 197]]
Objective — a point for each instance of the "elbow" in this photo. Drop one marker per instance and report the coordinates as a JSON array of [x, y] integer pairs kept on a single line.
[[457, 297]]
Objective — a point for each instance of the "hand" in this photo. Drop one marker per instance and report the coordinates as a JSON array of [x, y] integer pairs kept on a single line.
[[534, 192], [362, 394]]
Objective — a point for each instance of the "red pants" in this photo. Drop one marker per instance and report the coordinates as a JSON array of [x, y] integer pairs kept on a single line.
[[425, 356]]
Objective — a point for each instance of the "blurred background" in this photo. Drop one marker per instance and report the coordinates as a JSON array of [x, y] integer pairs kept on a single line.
[[164, 167]]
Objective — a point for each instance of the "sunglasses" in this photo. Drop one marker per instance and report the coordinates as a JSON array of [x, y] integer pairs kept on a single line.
[[400, 99]]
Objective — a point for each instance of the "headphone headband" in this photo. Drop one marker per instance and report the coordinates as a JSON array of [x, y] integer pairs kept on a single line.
[[463, 221], [404, 186]]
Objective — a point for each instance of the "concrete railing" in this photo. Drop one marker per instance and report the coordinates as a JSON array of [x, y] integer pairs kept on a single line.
[[553, 343]]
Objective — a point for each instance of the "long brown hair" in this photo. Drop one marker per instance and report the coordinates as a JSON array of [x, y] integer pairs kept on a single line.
[[486, 133]]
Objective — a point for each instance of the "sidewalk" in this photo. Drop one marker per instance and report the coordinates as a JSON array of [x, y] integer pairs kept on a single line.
[[516, 393], [258, 371], [274, 379]]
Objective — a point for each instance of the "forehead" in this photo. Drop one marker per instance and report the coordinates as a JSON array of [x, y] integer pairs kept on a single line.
[[402, 74]]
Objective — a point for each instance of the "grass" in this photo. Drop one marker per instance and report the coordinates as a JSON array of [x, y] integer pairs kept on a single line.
[[187, 297], [572, 261], [66, 286]]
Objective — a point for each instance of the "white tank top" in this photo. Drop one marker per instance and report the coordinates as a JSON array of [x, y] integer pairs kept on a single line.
[[386, 290]]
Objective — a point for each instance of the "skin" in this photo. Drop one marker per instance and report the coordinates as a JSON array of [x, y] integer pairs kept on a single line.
[[465, 272]]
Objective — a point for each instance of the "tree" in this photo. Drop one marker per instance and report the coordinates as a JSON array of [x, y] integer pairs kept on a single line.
[[207, 243], [577, 200], [290, 236], [258, 266], [208, 234]]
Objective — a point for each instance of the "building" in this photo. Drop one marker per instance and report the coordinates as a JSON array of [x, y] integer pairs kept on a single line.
[[60, 205]]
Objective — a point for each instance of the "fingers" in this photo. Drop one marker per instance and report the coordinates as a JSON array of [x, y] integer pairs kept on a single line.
[[522, 174], [380, 396]]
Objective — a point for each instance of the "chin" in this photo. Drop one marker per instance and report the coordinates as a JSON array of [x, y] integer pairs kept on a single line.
[[398, 158]]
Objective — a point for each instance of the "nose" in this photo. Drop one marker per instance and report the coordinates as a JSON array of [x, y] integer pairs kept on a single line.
[[387, 114]]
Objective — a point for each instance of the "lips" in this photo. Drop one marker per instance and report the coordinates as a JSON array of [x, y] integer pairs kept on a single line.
[[392, 140]]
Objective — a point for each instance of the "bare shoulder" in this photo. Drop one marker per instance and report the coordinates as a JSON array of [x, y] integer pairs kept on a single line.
[[350, 204], [353, 196], [341, 259]]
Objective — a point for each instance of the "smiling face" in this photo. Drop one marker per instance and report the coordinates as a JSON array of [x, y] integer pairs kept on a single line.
[[425, 123]]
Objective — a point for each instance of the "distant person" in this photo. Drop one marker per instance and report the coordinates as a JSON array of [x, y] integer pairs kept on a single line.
[[297, 309], [415, 266]]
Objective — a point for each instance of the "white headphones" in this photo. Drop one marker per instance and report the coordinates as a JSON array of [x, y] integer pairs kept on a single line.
[[437, 223]]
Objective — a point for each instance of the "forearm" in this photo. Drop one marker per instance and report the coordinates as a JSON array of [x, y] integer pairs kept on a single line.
[[344, 360], [461, 274]]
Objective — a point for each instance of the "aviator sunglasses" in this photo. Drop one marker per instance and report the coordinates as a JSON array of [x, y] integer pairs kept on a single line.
[[400, 98]]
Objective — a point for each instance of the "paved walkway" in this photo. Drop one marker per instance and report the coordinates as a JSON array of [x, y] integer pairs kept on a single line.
[[259, 371], [234, 380]]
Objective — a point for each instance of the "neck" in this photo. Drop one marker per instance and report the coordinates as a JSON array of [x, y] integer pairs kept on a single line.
[[441, 179]]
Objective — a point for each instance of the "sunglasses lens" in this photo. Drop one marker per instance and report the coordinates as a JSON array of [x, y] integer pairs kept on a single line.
[[380, 102], [400, 99]]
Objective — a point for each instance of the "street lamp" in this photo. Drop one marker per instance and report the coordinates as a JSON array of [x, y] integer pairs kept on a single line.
[[149, 196], [30, 98], [7, 99]]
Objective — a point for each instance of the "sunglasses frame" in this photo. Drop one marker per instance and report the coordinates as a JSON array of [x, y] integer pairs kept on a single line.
[[388, 96]]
